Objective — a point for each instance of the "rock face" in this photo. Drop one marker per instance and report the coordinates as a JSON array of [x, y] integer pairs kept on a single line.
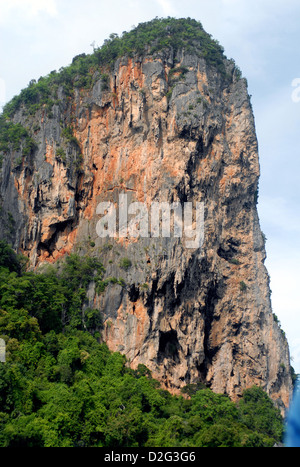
[[164, 128]]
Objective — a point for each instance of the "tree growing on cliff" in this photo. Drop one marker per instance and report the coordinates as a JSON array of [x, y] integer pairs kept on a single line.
[[68, 390]]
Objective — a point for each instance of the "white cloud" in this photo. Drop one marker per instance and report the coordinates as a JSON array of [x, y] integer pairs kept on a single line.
[[282, 226], [295, 353], [285, 299], [167, 7], [278, 213], [31, 8]]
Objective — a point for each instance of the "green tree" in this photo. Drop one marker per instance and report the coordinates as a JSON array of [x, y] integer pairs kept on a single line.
[[61, 387], [258, 413]]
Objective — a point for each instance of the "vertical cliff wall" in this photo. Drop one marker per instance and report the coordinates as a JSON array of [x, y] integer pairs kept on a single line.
[[168, 127]]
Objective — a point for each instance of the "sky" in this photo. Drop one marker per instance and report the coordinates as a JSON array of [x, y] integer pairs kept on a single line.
[[262, 36]]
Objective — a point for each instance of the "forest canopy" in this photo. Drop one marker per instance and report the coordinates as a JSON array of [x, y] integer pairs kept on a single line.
[[61, 386], [149, 38]]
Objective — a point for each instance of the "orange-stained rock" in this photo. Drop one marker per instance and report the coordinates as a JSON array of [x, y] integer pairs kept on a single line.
[[188, 314]]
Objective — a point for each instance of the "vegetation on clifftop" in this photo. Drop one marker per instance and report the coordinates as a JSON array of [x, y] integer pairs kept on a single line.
[[160, 34], [150, 38], [147, 38], [60, 386]]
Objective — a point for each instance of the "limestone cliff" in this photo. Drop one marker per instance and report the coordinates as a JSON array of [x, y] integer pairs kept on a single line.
[[166, 125]]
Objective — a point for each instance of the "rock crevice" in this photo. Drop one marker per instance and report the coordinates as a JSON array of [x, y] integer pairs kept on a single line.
[[169, 128]]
